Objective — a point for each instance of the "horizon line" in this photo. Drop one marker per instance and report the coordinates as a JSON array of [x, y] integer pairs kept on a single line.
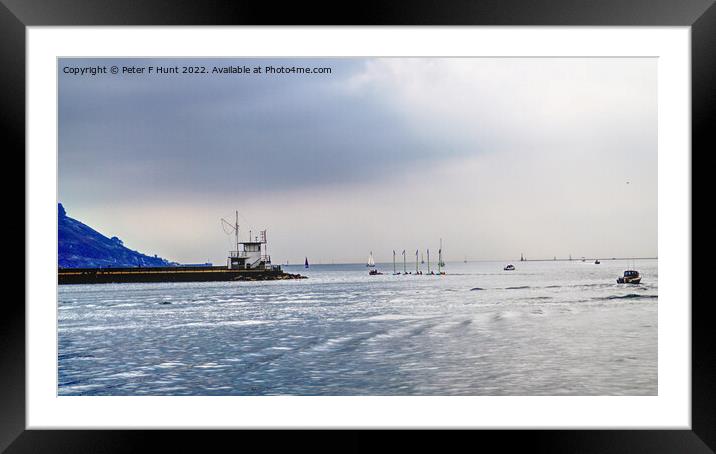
[[301, 263]]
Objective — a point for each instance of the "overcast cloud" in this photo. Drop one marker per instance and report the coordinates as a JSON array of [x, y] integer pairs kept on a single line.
[[496, 156]]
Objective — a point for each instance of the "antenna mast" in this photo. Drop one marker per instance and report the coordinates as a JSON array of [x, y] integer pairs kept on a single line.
[[235, 227], [440, 256]]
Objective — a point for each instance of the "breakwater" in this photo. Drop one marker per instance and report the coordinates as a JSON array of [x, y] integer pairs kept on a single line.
[[168, 274]]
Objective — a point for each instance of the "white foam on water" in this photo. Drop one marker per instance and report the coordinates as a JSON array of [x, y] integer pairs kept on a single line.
[[170, 364], [69, 389], [243, 322], [333, 343], [392, 317], [168, 389], [96, 328], [130, 374], [219, 323], [211, 366]]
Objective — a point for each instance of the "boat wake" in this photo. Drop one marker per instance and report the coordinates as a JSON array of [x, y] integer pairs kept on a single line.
[[627, 296]]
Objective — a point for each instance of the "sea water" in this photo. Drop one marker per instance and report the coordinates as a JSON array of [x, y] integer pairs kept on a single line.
[[547, 328]]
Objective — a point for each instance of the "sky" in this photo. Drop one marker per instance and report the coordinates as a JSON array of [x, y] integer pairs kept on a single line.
[[496, 156]]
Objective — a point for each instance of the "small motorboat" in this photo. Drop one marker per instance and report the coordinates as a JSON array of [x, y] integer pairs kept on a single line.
[[374, 272], [630, 277], [597, 262], [509, 267]]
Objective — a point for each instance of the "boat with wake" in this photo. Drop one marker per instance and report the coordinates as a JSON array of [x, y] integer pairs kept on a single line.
[[629, 277]]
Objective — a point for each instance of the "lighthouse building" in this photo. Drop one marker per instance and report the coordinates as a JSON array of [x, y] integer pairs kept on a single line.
[[250, 255]]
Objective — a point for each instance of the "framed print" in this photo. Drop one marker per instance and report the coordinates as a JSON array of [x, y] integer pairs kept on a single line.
[[474, 216]]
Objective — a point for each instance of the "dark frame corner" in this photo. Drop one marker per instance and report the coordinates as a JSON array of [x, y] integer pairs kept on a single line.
[[16, 15]]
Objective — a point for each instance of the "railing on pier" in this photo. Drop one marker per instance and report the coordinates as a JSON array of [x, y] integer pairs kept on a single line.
[[264, 258]]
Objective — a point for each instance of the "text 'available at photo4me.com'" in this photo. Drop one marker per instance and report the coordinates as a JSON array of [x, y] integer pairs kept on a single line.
[[173, 70]]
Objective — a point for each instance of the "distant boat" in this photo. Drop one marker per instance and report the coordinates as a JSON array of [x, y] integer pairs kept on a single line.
[[374, 272], [630, 277], [371, 262], [509, 267], [306, 265], [522, 257], [440, 258], [597, 262]]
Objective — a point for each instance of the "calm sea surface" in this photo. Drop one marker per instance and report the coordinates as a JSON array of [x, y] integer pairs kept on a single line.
[[548, 328]]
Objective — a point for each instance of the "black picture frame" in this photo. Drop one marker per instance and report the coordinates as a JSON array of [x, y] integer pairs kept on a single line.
[[16, 15]]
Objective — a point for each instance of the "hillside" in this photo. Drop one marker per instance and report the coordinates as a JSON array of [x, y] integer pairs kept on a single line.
[[80, 246]]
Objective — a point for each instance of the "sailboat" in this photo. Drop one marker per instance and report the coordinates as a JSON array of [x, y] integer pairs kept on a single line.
[[306, 265], [371, 262], [440, 258]]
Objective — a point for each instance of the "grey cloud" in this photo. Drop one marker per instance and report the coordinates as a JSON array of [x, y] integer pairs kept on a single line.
[[188, 133], [379, 153]]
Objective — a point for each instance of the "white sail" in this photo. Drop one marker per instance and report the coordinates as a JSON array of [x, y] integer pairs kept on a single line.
[[371, 262]]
